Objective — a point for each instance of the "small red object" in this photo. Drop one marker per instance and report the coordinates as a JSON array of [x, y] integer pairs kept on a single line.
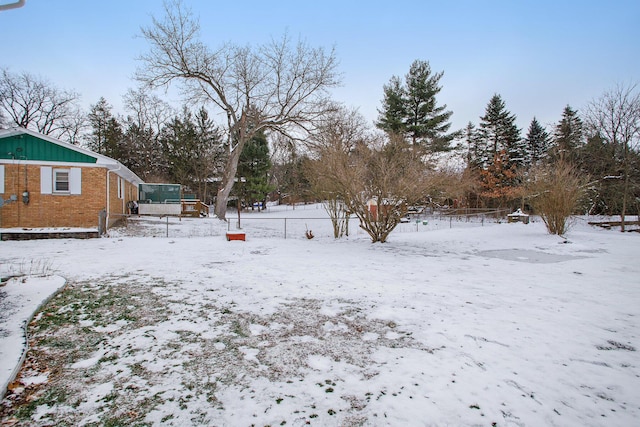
[[236, 236]]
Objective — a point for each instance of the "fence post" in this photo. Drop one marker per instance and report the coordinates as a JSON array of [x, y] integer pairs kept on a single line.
[[285, 228], [167, 225]]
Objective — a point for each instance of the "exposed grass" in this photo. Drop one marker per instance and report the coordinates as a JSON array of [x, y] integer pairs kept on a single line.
[[110, 335], [59, 339]]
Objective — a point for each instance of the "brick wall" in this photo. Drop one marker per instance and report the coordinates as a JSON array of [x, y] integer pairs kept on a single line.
[[60, 210], [118, 206]]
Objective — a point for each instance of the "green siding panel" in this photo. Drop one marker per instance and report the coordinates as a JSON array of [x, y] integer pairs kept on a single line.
[[27, 147]]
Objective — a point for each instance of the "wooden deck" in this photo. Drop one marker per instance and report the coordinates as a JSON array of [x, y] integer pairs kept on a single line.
[[194, 208]]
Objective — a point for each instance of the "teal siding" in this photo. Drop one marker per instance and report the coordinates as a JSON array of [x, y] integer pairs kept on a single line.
[[27, 147]]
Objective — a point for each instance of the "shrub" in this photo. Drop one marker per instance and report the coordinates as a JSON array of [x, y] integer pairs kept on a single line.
[[554, 192]]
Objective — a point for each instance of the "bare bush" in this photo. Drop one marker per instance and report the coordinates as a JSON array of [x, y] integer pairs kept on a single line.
[[554, 192], [338, 213], [375, 181]]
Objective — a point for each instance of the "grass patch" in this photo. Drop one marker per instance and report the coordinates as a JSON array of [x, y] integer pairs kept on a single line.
[[57, 341]]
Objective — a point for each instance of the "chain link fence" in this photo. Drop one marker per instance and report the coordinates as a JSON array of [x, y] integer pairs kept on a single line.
[[296, 223]]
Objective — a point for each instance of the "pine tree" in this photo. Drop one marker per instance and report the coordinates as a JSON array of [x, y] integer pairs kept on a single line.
[[474, 146], [538, 142], [499, 132], [106, 135], [427, 123], [568, 136], [145, 156], [393, 114], [411, 110], [254, 165], [192, 150], [179, 147]]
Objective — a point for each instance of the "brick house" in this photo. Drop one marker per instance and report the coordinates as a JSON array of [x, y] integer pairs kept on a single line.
[[45, 182]]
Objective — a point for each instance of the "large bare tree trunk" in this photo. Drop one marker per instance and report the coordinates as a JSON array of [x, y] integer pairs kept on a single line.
[[228, 178], [279, 86]]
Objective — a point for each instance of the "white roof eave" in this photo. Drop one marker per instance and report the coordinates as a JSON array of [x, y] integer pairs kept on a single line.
[[102, 160]]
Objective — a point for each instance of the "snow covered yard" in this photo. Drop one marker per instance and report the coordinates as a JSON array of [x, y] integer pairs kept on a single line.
[[495, 325]]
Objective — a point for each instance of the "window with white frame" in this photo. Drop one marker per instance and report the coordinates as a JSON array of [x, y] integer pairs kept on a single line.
[[61, 181], [120, 188]]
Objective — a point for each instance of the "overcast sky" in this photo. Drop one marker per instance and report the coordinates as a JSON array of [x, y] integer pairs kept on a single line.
[[539, 55]]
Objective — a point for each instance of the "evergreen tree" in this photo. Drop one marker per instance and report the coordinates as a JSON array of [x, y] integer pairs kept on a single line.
[[411, 109], [427, 123], [538, 142], [179, 147], [568, 136], [145, 156], [254, 165], [474, 146], [599, 160], [499, 132], [393, 114], [106, 134], [192, 151], [294, 185]]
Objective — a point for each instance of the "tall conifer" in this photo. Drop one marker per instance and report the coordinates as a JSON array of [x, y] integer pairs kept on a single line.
[[410, 109], [538, 142], [568, 135], [499, 132]]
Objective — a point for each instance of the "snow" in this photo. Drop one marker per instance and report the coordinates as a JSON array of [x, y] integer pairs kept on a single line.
[[475, 324], [19, 299]]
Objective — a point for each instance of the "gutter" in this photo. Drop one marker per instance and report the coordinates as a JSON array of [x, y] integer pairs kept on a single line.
[[106, 226]]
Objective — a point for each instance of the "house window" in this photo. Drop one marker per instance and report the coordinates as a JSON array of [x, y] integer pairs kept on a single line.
[[120, 188], [60, 180]]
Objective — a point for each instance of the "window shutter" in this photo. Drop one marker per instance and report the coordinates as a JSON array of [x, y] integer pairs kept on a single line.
[[75, 181], [46, 180], [1, 179]]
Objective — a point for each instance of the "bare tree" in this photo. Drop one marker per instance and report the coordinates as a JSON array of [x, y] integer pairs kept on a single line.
[[34, 103], [74, 126], [147, 110], [338, 135], [278, 86], [615, 117]]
